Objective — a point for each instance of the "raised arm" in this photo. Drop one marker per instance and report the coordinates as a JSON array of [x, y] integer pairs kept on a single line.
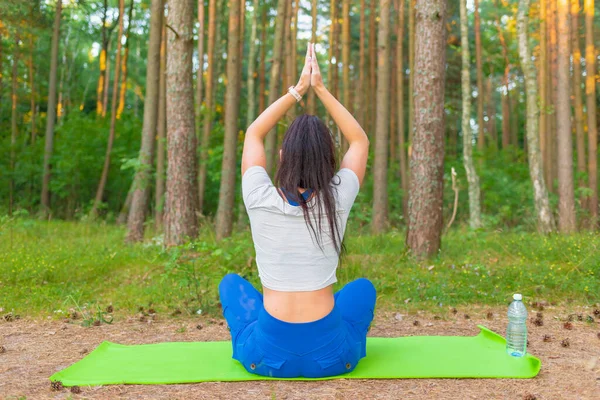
[[358, 150], [254, 148]]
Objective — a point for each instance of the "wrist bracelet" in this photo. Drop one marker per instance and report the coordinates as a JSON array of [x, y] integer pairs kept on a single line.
[[294, 93]]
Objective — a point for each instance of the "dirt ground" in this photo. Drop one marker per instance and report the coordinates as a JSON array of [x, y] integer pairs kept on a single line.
[[34, 349]]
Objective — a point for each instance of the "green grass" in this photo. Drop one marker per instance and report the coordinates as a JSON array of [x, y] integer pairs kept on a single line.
[[49, 268]]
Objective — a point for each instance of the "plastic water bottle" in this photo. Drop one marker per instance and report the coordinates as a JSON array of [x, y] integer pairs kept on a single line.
[[516, 332]]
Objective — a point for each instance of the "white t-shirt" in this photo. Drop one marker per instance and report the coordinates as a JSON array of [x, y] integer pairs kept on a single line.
[[287, 255]]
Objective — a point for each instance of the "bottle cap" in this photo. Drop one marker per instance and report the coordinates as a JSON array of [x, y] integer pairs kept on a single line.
[[517, 297]]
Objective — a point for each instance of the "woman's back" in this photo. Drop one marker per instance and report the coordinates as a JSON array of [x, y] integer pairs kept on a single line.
[[296, 273]]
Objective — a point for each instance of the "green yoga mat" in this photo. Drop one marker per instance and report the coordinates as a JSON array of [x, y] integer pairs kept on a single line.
[[481, 356]]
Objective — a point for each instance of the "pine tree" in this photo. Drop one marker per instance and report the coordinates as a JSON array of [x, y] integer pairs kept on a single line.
[[427, 158], [380, 193], [51, 111], [143, 175], [542, 205], [181, 222], [472, 177]]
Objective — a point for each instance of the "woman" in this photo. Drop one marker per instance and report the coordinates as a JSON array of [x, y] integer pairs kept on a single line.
[[300, 328]]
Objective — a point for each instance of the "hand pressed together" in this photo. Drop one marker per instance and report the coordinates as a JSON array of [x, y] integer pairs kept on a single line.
[[311, 74]]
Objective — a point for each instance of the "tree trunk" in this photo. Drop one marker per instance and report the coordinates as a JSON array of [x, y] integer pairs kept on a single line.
[[383, 120], [51, 112], [427, 158], [411, 75], [242, 28], [331, 55], [400, 104], [542, 205], [181, 222], [32, 87], [361, 99], [566, 202], [143, 174], [372, 69], [262, 68], [271, 141], [251, 113], [224, 219], [472, 177], [106, 81], [200, 73], [250, 85], [102, 60], [543, 83], [491, 112], [288, 79], [514, 117], [552, 160], [478, 61], [346, 52], [13, 120], [312, 106], [209, 111], [123, 89], [591, 106], [159, 200], [113, 117], [505, 96], [577, 99]]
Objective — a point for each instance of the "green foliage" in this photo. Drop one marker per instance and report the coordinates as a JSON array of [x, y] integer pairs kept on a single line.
[[50, 268]]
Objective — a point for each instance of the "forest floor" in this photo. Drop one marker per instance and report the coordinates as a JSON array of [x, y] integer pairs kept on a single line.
[[35, 348]]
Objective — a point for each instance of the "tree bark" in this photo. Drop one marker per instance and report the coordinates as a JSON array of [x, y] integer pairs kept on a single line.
[[200, 73], [577, 99], [311, 104], [591, 107], [380, 195], [123, 89], [224, 219], [209, 111], [372, 69], [553, 96], [362, 73], [331, 55], [102, 60], [271, 141], [113, 117], [427, 158], [143, 174], [505, 96], [181, 222], [159, 200], [543, 83], [491, 113], [472, 177], [51, 112], [13, 120], [566, 202], [262, 68], [542, 205], [400, 104], [478, 61], [346, 53], [251, 113], [32, 87], [411, 74]]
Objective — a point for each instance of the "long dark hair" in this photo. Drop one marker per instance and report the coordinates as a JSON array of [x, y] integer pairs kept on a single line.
[[308, 161]]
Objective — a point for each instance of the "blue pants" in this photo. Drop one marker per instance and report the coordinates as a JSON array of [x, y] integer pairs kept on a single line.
[[268, 346]]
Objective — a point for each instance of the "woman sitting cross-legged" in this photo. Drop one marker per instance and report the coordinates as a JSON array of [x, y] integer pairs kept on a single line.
[[299, 327]]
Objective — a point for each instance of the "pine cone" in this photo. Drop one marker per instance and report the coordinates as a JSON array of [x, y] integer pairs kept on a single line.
[[75, 389], [56, 386]]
